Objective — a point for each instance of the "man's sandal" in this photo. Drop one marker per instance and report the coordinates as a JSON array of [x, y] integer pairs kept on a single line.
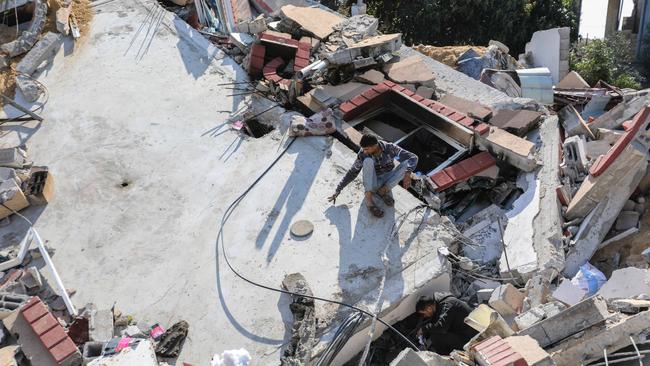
[[388, 199], [376, 211]]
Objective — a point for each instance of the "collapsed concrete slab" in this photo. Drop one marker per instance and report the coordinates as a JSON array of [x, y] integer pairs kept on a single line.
[[626, 283], [536, 249], [571, 321], [411, 70], [622, 112], [616, 334]]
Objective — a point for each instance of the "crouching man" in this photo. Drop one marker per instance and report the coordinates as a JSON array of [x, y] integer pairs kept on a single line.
[[442, 327], [380, 175]]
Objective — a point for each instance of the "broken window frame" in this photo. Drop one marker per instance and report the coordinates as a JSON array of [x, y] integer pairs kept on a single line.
[[461, 150]]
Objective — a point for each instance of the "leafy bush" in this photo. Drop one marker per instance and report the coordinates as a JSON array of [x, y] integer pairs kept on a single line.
[[610, 60]]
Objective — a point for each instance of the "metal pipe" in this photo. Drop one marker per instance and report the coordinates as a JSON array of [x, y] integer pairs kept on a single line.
[[312, 68], [57, 279]]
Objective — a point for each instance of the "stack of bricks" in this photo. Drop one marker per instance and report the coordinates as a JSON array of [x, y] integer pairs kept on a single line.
[[494, 351], [51, 334], [379, 94]]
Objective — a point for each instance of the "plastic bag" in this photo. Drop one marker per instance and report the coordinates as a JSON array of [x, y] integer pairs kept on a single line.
[[589, 278]]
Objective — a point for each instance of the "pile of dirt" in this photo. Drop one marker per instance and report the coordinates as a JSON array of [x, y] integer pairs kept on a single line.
[[447, 54]]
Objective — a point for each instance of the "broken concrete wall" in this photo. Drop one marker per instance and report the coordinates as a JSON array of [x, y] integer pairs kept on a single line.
[[49, 44], [589, 346], [607, 200], [549, 48]]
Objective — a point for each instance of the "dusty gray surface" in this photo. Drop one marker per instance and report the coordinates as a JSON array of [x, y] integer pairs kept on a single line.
[[145, 167]]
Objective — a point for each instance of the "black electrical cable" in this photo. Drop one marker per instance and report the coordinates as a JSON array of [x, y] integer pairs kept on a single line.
[[220, 242]]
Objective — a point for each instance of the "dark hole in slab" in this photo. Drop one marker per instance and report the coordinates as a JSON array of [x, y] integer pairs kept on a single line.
[[256, 129]]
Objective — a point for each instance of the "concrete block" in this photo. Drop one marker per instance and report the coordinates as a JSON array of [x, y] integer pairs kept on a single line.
[[626, 283], [425, 92], [507, 300], [371, 77], [627, 220], [101, 325], [10, 302], [511, 148], [538, 313], [31, 278], [13, 157], [569, 293], [613, 336], [631, 306], [538, 290], [408, 357], [62, 16], [571, 321], [48, 45], [622, 112]]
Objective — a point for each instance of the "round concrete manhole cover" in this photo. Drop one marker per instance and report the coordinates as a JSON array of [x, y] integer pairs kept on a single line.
[[302, 228]]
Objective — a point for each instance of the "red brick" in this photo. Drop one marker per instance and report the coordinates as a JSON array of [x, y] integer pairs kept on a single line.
[[442, 180], [428, 102], [408, 92], [273, 77], [347, 107], [482, 128], [564, 200], [303, 53], [257, 63], [304, 46], [275, 63], [470, 165], [389, 83], [284, 82], [418, 98], [467, 121], [34, 312], [53, 336], [359, 100], [44, 324], [63, 350], [398, 88], [487, 343], [381, 88], [258, 50], [457, 173], [437, 107], [370, 94], [484, 160]]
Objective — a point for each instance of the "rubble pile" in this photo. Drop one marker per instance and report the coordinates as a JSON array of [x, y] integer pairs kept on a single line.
[[535, 176], [534, 189]]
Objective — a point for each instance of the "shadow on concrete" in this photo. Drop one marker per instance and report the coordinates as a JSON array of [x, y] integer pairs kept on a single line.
[[292, 197], [23, 131], [12, 233]]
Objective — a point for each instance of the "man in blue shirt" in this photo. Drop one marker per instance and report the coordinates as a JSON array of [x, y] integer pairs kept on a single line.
[[380, 175]]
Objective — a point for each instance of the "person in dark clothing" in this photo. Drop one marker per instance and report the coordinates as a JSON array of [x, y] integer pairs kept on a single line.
[[375, 161], [442, 324]]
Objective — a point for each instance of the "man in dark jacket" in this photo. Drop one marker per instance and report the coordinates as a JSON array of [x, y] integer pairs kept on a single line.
[[443, 324], [380, 175]]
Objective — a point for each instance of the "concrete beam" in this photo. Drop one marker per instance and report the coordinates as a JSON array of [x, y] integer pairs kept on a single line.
[[571, 321], [611, 337], [48, 45]]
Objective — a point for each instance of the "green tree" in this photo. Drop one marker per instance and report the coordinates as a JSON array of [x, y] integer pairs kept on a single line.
[[610, 60], [458, 22]]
